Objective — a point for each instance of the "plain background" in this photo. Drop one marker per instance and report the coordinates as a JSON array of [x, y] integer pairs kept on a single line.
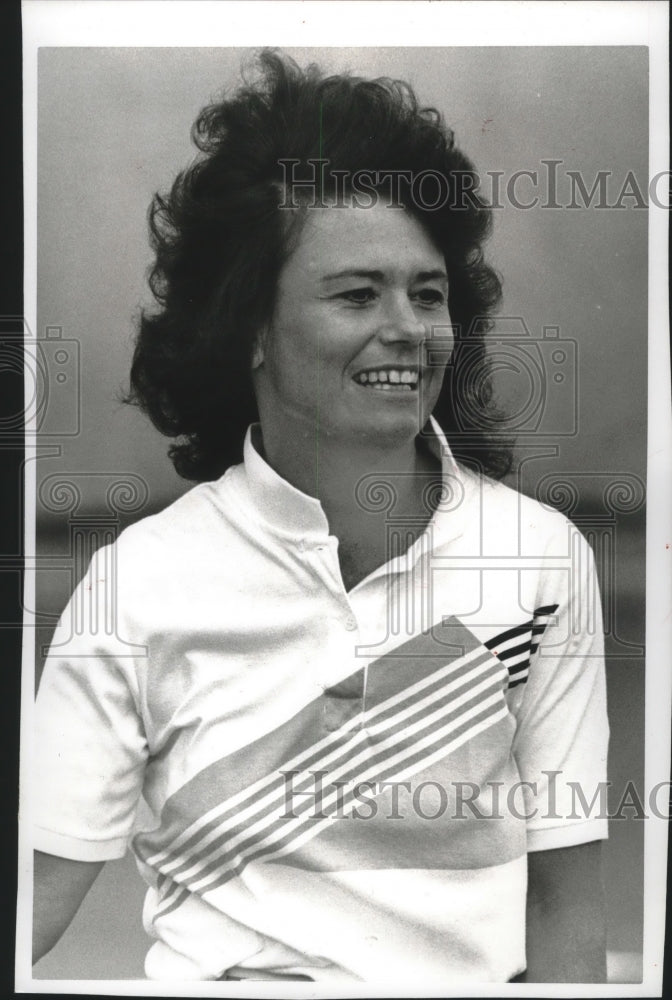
[[114, 127]]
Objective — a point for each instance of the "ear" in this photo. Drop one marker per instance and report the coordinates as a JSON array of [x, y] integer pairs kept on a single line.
[[259, 349]]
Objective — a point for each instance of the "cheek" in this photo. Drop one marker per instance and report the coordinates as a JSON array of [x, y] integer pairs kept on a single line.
[[299, 335], [285, 348]]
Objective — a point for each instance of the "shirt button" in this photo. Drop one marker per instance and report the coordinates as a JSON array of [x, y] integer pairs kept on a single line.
[[350, 624]]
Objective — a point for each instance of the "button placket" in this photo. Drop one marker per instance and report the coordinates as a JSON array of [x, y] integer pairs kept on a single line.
[[321, 556], [344, 699]]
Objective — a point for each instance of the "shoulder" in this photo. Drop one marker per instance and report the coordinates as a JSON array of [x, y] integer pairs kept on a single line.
[[183, 538], [204, 508], [163, 569], [515, 518]]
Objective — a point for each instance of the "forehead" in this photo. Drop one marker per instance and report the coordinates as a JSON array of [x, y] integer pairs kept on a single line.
[[378, 238]]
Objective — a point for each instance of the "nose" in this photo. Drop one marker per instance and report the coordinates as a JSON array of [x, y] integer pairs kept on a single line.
[[400, 322]]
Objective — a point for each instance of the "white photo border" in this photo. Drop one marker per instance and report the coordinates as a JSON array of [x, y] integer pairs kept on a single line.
[[330, 24]]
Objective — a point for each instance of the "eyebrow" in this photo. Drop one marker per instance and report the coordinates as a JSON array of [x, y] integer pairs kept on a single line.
[[434, 275]]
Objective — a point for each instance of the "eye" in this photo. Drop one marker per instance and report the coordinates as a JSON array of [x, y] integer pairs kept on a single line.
[[430, 297], [358, 296]]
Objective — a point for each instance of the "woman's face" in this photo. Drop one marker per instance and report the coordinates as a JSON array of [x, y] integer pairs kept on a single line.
[[346, 353]]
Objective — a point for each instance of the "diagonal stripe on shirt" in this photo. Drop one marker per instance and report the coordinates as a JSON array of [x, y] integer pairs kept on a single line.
[[274, 835], [363, 758], [287, 835], [246, 771], [288, 838], [442, 698], [387, 729]]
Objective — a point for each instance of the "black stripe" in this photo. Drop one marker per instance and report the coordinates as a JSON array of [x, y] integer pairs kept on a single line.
[[506, 654], [548, 609], [519, 667], [536, 629], [529, 626], [510, 634], [514, 651]]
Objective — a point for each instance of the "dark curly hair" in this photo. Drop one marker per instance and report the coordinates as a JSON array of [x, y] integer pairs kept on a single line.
[[221, 240]]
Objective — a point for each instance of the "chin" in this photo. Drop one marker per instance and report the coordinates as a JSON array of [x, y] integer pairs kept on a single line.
[[391, 433]]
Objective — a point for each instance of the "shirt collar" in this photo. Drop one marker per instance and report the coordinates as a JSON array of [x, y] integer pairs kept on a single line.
[[438, 445], [286, 509], [290, 512]]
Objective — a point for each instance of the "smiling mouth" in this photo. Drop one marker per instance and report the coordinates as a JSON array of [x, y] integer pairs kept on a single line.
[[389, 379]]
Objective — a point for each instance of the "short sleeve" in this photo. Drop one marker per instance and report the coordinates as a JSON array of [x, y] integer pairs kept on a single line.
[[562, 731], [89, 743]]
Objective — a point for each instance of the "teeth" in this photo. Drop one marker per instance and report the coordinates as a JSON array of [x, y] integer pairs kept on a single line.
[[399, 378]]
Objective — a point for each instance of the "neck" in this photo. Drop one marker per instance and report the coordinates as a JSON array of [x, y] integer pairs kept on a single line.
[[331, 470]]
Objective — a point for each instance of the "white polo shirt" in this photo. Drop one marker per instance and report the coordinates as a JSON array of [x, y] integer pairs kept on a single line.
[[343, 785]]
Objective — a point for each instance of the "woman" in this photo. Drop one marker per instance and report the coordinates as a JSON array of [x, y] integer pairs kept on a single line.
[[347, 671]]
